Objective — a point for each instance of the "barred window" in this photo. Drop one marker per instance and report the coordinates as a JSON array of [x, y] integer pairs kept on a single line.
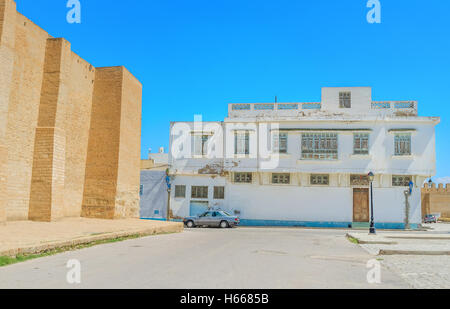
[[361, 144], [279, 143], [320, 179], [199, 192], [219, 193], [180, 191], [345, 99], [403, 144], [359, 180], [281, 178], [201, 145], [242, 143], [320, 146], [401, 181], [243, 177]]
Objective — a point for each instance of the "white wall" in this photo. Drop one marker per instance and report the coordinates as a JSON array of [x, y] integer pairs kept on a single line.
[[296, 203], [381, 159], [361, 99]]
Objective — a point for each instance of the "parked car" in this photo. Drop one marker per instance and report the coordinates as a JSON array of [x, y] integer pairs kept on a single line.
[[212, 218], [430, 219]]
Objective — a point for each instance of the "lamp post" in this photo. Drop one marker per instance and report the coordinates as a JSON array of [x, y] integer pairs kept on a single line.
[[372, 220]]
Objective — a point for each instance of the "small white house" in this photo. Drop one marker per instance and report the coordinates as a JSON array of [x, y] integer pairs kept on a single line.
[[306, 164]]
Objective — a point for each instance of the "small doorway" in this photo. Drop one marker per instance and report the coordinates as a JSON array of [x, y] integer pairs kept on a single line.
[[198, 208], [361, 211]]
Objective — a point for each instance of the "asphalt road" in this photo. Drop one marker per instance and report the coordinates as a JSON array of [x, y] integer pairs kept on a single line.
[[211, 258]]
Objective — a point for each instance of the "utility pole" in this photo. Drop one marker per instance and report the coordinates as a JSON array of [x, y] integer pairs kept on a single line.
[[169, 190], [407, 226], [407, 206]]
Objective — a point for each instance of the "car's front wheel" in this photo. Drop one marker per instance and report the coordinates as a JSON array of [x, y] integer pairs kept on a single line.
[[190, 224], [224, 225]]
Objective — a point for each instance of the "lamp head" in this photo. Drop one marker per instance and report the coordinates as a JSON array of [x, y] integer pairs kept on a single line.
[[371, 176]]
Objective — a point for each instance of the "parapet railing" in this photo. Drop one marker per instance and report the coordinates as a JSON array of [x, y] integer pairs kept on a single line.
[[275, 106], [394, 107], [394, 104]]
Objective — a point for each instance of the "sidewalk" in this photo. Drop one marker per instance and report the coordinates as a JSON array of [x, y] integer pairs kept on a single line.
[[26, 237], [435, 241]]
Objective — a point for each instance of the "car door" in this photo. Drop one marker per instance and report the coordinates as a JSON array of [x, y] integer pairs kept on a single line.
[[205, 219], [217, 218]]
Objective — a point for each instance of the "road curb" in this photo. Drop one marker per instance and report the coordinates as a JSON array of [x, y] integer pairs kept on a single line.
[[173, 227], [376, 241], [412, 252]]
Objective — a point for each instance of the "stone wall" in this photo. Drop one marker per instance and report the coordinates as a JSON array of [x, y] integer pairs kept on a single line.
[[113, 162], [436, 200], [53, 104]]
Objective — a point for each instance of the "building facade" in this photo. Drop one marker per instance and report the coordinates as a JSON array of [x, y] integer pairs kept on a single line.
[[69, 132], [306, 164]]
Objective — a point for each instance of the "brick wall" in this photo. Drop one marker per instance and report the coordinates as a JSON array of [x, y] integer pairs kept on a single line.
[[113, 163], [7, 37], [77, 124], [127, 198], [69, 133], [23, 110], [47, 185], [436, 200]]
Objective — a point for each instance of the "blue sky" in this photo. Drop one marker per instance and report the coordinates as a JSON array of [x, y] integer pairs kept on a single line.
[[196, 56]]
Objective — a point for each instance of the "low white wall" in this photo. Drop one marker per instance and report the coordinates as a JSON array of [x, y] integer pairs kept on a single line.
[[296, 203]]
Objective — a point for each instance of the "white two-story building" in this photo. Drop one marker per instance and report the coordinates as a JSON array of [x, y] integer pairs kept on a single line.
[[306, 164]]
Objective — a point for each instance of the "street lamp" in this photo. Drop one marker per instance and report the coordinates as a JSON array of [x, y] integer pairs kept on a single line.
[[430, 183], [372, 223]]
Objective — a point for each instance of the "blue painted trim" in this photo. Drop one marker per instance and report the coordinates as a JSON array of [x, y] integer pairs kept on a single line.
[[247, 222], [321, 224], [394, 226], [154, 219]]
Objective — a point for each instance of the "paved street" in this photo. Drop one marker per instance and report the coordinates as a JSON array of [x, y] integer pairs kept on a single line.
[[211, 258], [420, 271]]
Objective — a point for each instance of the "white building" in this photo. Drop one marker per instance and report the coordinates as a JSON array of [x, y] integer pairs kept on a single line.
[[306, 164]]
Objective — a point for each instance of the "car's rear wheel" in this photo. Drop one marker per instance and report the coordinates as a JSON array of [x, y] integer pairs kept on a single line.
[[190, 224], [224, 225]]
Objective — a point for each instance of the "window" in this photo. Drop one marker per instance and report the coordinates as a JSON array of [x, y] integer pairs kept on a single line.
[[180, 191], [319, 146], [199, 192], [141, 190], [201, 145], [219, 193], [243, 177], [401, 181], [361, 144], [207, 214], [242, 143], [281, 178], [403, 144], [320, 180], [359, 180], [279, 143], [345, 99]]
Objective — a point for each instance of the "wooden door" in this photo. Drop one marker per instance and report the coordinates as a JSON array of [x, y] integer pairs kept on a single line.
[[361, 211]]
